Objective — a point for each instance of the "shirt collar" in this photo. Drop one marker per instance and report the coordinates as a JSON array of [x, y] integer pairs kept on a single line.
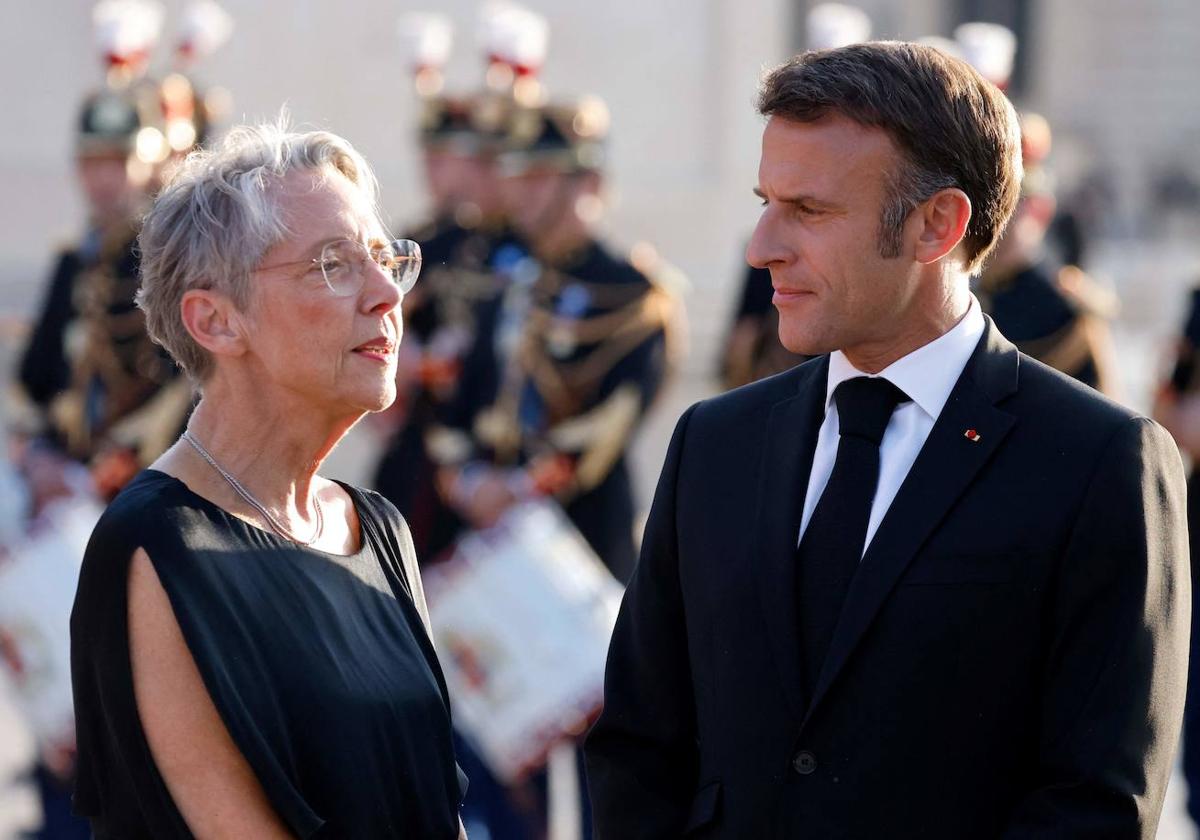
[[927, 374]]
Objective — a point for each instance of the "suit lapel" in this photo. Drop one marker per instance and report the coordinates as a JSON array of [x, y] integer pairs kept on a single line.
[[792, 428], [945, 467]]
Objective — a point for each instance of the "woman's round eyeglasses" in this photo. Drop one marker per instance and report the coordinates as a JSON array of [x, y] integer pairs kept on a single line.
[[343, 264]]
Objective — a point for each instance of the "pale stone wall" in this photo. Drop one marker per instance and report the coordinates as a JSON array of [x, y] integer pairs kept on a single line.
[[1122, 83]]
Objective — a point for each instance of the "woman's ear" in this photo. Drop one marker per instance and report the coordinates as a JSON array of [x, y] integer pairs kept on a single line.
[[213, 322], [942, 220]]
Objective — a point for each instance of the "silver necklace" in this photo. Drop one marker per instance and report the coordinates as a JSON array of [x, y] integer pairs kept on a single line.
[[255, 503]]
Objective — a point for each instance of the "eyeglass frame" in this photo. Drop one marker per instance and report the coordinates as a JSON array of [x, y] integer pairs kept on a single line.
[[315, 262]]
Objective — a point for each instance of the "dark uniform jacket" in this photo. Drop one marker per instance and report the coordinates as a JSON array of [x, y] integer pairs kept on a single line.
[[463, 271], [96, 376], [1037, 314], [565, 366], [1009, 662]]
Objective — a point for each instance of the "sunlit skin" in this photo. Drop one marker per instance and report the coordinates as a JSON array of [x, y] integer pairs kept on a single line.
[[295, 369], [822, 185], [304, 340]]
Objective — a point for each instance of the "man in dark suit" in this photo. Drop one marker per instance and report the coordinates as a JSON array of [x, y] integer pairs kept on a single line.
[[922, 585]]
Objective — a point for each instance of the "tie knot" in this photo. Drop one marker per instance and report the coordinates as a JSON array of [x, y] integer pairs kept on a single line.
[[865, 405]]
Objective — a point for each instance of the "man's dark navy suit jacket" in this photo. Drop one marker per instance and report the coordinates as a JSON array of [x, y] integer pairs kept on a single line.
[[1010, 661]]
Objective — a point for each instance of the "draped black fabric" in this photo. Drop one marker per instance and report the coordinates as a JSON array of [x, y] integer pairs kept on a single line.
[[833, 543], [319, 664]]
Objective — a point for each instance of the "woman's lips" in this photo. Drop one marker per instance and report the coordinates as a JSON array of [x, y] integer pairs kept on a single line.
[[379, 352]]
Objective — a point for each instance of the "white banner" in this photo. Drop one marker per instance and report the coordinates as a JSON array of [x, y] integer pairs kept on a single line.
[[522, 615], [38, 578]]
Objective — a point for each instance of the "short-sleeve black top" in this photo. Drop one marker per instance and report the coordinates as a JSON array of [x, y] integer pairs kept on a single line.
[[319, 664]]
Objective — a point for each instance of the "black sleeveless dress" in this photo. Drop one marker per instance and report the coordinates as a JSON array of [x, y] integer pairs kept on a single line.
[[320, 666]]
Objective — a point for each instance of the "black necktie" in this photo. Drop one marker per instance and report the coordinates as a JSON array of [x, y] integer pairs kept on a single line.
[[832, 545]]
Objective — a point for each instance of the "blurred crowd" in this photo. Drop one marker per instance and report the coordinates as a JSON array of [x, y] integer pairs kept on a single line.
[[532, 352]]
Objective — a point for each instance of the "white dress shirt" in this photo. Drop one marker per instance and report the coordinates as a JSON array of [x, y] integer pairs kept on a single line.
[[927, 375]]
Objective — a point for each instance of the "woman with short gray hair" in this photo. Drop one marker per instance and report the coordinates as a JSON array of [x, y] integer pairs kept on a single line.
[[250, 646]]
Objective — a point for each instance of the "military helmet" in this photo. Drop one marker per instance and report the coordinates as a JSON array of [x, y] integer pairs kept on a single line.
[[125, 113], [123, 121], [134, 114], [513, 41], [570, 137], [189, 112]]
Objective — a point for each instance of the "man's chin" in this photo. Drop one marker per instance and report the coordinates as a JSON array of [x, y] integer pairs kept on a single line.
[[802, 343]]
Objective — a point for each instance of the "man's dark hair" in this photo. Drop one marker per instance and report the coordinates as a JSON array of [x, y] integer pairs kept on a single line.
[[953, 128]]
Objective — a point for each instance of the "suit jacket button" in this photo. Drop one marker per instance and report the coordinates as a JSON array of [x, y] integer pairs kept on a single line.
[[804, 763]]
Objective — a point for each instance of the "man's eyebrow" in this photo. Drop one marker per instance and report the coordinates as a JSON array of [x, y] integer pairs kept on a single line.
[[796, 199]]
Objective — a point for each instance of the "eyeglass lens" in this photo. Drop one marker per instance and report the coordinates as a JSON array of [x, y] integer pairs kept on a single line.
[[343, 263]]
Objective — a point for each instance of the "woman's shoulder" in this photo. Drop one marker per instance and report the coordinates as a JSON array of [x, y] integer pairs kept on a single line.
[[394, 545], [152, 508], [146, 499], [393, 539], [376, 502]]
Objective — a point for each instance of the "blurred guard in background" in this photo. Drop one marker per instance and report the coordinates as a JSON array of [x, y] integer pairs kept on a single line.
[[565, 362], [102, 393], [468, 248], [93, 389], [752, 348], [1057, 314], [555, 415]]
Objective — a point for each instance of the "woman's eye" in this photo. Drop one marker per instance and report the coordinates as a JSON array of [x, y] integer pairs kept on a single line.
[[331, 265]]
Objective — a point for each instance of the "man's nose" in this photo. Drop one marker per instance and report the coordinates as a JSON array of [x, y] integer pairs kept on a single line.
[[762, 249]]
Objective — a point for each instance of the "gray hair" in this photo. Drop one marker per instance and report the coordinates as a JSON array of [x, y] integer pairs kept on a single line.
[[211, 225]]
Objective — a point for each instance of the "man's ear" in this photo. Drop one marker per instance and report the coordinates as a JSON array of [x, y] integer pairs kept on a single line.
[[213, 322], [941, 222]]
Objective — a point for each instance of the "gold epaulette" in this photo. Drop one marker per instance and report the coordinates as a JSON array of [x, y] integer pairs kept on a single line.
[[663, 275], [1086, 294], [1066, 349], [153, 427], [599, 436], [673, 285]]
